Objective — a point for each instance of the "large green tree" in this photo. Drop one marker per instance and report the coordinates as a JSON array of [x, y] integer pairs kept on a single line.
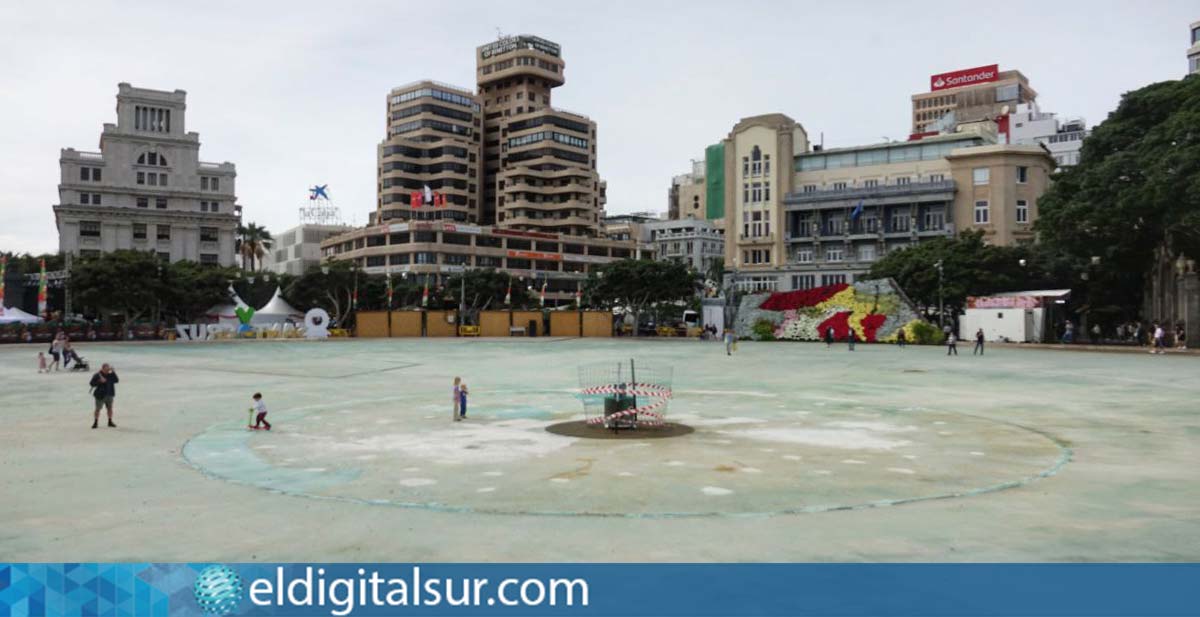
[[125, 283], [485, 289], [969, 268], [1134, 198], [636, 284], [189, 289], [329, 286]]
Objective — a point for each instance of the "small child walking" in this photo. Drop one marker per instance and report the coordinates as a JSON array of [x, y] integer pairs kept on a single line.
[[462, 401], [260, 420], [42, 362]]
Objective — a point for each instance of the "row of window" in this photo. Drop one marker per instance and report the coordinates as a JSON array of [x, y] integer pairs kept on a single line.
[[153, 159], [436, 125], [983, 212], [872, 183], [833, 254], [441, 95], [809, 281], [433, 109], [936, 101], [151, 179], [756, 256], [881, 156], [571, 125], [526, 155], [561, 138], [152, 119], [756, 192], [89, 174], [756, 224], [431, 153], [757, 164], [90, 198], [521, 61], [91, 229], [432, 168]]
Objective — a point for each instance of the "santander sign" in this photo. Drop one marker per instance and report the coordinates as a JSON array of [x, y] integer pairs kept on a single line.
[[964, 77]]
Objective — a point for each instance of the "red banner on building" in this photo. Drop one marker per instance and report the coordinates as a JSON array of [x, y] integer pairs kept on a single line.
[[964, 77], [535, 255], [1004, 302]]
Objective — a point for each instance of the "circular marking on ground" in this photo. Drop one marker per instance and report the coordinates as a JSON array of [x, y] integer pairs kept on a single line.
[[533, 472]]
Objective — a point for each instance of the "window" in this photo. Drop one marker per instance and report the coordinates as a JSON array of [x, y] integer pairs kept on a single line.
[[208, 234], [866, 252], [84, 198], [756, 195], [766, 191], [834, 254], [810, 188], [151, 179], [756, 161], [139, 231], [1022, 211], [1007, 93], [203, 182], [95, 199], [767, 164], [215, 183], [839, 186], [935, 219], [900, 220], [204, 206], [162, 179], [981, 212], [870, 183], [214, 206], [745, 165], [804, 281], [89, 229], [937, 177], [162, 232], [981, 176], [143, 202], [209, 259], [746, 192], [1022, 175], [164, 257], [804, 256], [902, 180], [832, 279], [141, 177], [160, 203], [85, 173]]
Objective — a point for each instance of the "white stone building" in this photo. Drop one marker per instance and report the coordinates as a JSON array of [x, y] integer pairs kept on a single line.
[[694, 242], [1193, 53], [1029, 126], [146, 189]]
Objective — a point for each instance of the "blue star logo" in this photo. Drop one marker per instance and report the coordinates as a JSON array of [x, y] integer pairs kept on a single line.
[[318, 192]]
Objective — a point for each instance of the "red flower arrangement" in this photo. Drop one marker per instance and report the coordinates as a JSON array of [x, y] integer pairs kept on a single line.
[[801, 298]]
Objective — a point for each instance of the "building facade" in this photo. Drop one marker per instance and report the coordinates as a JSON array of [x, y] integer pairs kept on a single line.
[[1193, 54], [146, 189], [1064, 139], [433, 140], [814, 217], [299, 248], [435, 250], [693, 242], [971, 95], [686, 197]]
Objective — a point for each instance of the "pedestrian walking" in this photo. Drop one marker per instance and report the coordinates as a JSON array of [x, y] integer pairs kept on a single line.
[[462, 401], [829, 337], [1180, 339], [952, 344], [730, 341], [1068, 333], [260, 410], [901, 339], [56, 348], [978, 342], [104, 390], [850, 338], [42, 363], [1160, 340]]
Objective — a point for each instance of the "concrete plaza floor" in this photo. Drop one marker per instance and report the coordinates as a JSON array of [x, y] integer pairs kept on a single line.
[[800, 453]]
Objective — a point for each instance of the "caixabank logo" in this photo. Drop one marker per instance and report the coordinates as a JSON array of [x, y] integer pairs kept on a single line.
[[219, 590]]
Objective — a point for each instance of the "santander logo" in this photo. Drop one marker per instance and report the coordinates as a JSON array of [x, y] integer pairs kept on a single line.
[[965, 77]]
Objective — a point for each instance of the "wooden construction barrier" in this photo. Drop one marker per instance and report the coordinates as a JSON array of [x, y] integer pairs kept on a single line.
[[493, 323], [521, 319], [597, 323], [406, 323], [371, 324], [564, 323], [436, 324]]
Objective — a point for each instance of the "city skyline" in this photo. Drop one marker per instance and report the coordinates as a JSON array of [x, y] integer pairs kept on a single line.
[[295, 97]]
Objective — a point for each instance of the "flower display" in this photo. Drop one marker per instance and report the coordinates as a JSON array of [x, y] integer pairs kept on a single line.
[[874, 310]]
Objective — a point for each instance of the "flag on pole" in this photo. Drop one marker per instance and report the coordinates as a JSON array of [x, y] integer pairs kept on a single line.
[[428, 195], [389, 290], [543, 297], [414, 199], [425, 294], [578, 295], [857, 211], [41, 296], [508, 293]]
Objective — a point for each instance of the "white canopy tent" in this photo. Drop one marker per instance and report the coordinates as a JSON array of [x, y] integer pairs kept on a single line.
[[226, 314], [277, 311], [13, 314]]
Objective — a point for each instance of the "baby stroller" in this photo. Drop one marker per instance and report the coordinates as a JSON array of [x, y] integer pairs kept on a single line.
[[80, 364]]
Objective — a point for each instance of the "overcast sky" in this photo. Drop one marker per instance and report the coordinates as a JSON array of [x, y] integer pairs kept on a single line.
[[294, 92]]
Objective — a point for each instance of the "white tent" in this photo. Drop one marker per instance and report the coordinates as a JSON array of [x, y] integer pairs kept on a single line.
[[277, 311], [225, 314], [13, 314]]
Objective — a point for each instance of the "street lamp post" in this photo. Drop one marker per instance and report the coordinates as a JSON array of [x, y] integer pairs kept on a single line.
[[941, 303]]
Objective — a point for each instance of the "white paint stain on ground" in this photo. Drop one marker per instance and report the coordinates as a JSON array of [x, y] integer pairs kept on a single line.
[[977, 454], [715, 491], [853, 461], [417, 482], [902, 470], [486, 489], [845, 439], [749, 470], [625, 474], [511, 440], [559, 480], [911, 457], [820, 472], [675, 463], [493, 474], [792, 457]]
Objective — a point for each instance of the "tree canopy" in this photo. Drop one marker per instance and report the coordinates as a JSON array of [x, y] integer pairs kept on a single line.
[[1135, 193], [637, 283]]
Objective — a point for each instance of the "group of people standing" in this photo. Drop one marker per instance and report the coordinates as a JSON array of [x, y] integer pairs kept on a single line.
[[62, 352]]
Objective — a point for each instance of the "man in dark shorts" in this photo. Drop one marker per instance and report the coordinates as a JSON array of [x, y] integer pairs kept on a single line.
[[104, 389]]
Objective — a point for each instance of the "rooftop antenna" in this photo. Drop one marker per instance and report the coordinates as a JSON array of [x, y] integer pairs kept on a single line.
[[499, 34]]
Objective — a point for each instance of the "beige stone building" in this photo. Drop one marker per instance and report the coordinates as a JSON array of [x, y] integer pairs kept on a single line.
[[971, 95], [147, 189], [798, 218]]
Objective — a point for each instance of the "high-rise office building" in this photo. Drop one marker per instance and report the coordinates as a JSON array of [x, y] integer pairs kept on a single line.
[[971, 95], [539, 161], [1193, 53]]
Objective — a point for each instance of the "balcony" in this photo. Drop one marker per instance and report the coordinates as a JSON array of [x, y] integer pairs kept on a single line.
[[759, 239], [854, 193]]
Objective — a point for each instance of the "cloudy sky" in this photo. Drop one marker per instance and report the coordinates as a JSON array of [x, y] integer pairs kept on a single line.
[[294, 92]]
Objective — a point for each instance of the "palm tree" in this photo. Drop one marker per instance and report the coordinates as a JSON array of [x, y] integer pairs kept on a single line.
[[252, 244]]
